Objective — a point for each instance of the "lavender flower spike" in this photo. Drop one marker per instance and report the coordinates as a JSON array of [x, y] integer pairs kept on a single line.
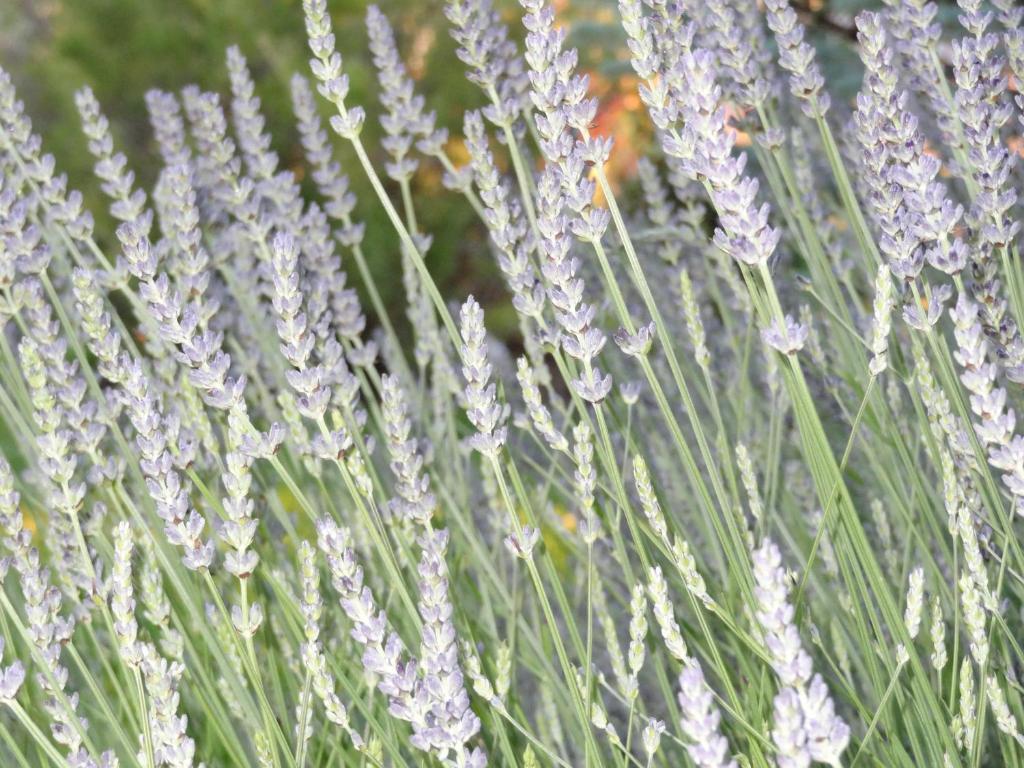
[[129, 202], [11, 678], [806, 726], [797, 57], [405, 120], [482, 406], [451, 722], [701, 719], [326, 66]]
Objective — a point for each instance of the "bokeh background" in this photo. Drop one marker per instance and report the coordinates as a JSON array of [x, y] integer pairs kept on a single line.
[[123, 47]]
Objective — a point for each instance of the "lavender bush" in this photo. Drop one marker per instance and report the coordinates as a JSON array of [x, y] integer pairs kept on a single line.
[[744, 494]]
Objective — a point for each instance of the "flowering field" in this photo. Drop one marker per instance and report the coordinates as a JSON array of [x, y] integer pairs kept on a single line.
[[740, 490]]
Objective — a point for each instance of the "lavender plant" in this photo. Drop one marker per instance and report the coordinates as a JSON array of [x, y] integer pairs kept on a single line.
[[246, 521]]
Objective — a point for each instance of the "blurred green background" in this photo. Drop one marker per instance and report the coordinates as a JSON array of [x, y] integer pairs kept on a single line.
[[123, 47]]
